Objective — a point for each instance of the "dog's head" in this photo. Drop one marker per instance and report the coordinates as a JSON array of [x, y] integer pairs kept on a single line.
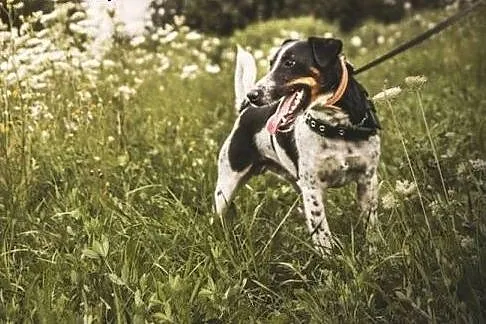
[[300, 72]]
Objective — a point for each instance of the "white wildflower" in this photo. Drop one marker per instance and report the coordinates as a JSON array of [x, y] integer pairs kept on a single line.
[[380, 40], [77, 29], [193, 35], [90, 64], [387, 94], [328, 35], [179, 20], [294, 34], [228, 55], [4, 66], [169, 37], [407, 5], [258, 54], [215, 41], [189, 71], [18, 5], [478, 165], [389, 201], [62, 66], [56, 56], [77, 16], [467, 242], [126, 92], [415, 81], [108, 64], [405, 187], [212, 68], [85, 96], [36, 110], [356, 41], [164, 63], [44, 135], [137, 41]]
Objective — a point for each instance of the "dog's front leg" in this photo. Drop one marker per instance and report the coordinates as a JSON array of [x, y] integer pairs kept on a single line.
[[367, 190], [228, 180], [315, 215]]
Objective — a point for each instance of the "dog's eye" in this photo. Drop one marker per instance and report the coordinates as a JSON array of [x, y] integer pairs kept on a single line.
[[289, 63]]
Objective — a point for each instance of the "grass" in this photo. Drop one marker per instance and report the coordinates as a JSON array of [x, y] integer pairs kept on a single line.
[[106, 194]]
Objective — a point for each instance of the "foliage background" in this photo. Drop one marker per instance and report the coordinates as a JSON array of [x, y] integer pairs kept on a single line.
[[222, 17]]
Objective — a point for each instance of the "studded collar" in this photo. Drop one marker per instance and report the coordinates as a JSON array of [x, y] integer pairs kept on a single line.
[[352, 133]]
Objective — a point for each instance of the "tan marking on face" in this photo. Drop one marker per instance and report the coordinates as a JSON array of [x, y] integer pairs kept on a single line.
[[309, 81], [315, 72]]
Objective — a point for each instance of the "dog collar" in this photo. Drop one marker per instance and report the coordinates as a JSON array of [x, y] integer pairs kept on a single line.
[[352, 133], [338, 94]]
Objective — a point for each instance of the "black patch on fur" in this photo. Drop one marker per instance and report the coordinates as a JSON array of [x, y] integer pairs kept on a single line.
[[325, 50], [242, 149], [287, 143]]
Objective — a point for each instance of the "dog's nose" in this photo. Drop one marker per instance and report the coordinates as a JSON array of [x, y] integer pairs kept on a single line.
[[255, 96]]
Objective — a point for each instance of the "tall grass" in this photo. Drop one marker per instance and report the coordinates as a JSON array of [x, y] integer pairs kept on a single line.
[[107, 170]]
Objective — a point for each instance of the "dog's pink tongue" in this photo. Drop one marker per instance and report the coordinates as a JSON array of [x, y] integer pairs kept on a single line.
[[282, 110]]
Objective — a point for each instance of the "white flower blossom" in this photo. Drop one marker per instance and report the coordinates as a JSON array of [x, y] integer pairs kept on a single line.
[[169, 37], [126, 92], [387, 94], [212, 68], [189, 71], [405, 187], [478, 164], [389, 201], [356, 41], [193, 35], [137, 41], [415, 81]]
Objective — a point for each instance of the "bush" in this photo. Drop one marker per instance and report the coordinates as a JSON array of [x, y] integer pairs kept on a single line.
[[224, 16]]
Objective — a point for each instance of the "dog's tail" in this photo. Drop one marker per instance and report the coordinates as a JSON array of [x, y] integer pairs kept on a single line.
[[245, 75]]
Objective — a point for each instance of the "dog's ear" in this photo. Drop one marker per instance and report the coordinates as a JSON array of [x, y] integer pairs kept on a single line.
[[245, 75], [325, 50]]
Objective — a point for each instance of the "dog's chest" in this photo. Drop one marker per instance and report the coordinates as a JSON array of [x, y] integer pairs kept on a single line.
[[335, 162]]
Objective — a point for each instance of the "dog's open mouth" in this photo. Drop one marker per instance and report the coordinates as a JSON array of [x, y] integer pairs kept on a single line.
[[288, 108]]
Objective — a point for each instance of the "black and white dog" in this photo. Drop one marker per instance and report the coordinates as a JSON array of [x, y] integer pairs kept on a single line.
[[308, 120]]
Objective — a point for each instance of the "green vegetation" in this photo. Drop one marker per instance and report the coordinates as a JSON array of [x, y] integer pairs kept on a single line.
[[107, 170]]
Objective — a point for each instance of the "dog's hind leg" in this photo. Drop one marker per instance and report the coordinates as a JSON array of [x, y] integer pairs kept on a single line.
[[315, 216]]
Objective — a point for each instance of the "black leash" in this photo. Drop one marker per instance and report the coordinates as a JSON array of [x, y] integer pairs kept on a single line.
[[420, 38]]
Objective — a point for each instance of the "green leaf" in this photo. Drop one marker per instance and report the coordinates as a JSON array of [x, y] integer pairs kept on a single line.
[[116, 280], [91, 254]]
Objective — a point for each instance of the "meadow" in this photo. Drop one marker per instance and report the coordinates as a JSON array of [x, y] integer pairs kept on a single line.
[[108, 166]]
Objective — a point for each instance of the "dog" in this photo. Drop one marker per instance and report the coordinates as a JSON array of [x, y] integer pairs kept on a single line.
[[307, 120]]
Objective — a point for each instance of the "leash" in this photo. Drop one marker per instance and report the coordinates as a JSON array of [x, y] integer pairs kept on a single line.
[[421, 37]]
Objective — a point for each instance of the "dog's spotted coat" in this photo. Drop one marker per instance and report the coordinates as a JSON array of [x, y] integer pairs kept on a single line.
[[310, 161]]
